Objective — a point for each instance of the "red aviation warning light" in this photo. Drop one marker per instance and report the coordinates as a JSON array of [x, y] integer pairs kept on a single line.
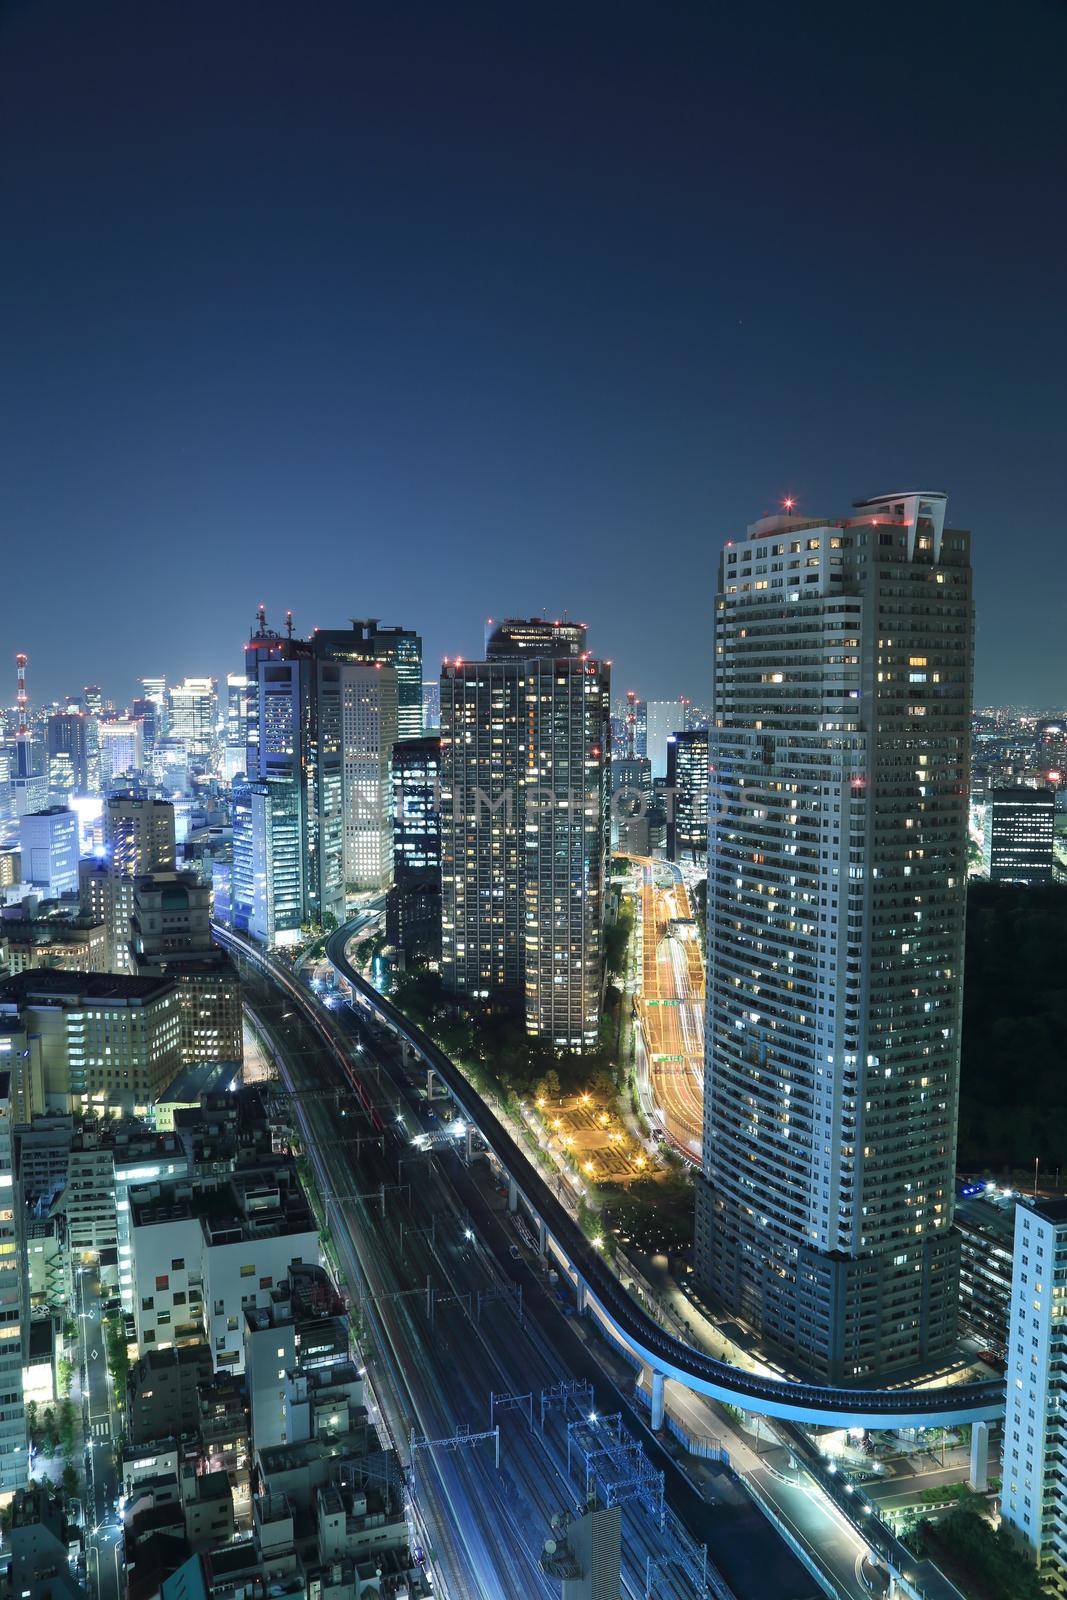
[[788, 503]]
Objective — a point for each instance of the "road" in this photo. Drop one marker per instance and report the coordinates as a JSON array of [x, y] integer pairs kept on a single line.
[[103, 1531], [438, 1362], [670, 1003]]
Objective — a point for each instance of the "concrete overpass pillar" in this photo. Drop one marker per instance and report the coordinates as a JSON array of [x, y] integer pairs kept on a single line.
[[513, 1194], [979, 1476], [429, 1083], [657, 1401], [581, 1292], [470, 1143], [542, 1237]]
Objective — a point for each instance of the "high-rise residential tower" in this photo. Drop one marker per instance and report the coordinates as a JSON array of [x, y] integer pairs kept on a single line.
[[524, 812], [837, 854]]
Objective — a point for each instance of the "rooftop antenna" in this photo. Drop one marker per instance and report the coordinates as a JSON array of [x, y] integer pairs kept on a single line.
[[261, 619], [289, 624], [21, 697]]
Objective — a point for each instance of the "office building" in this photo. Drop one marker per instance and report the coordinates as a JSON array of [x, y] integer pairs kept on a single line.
[[138, 839], [662, 718], [631, 804], [688, 781], [431, 707], [52, 933], [193, 717], [155, 690], [267, 877], [1033, 1495], [234, 743], [294, 734], [14, 1458], [836, 893], [121, 750], [524, 821], [89, 1041], [1020, 833], [399, 648], [49, 844], [370, 722], [66, 743], [413, 906], [170, 937], [515, 638], [10, 866]]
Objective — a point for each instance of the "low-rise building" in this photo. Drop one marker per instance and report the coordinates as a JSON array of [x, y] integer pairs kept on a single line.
[[203, 1251], [94, 1041], [42, 1544], [163, 1392]]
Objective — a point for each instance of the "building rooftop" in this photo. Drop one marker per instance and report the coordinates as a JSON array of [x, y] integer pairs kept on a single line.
[[47, 985]]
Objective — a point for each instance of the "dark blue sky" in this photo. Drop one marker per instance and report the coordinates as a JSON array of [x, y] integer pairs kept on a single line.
[[431, 313]]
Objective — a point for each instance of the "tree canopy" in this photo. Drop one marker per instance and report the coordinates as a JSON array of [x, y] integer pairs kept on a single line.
[[1012, 1101]]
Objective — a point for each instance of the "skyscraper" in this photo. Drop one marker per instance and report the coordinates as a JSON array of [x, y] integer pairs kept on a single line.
[[370, 720], [294, 732], [399, 648], [121, 750], [66, 736], [662, 718], [837, 869], [524, 776], [413, 907], [193, 707], [138, 839], [233, 755], [687, 795], [532, 636]]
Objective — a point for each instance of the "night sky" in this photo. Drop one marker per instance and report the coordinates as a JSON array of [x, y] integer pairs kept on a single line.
[[434, 313]]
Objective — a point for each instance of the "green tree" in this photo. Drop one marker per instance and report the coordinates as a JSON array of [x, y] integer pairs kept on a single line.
[[70, 1479], [65, 1374], [66, 1427]]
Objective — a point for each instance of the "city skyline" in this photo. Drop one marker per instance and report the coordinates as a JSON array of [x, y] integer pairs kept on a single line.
[[367, 352]]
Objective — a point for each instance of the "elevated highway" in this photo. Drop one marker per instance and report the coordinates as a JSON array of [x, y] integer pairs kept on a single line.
[[599, 1290]]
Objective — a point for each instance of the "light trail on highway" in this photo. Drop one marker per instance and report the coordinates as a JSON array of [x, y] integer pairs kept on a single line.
[[670, 1003]]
